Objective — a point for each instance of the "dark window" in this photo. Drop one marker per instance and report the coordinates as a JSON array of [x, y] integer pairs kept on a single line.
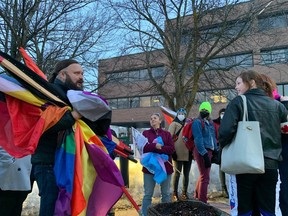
[[112, 103], [144, 74], [123, 103], [274, 56], [242, 60], [158, 72], [134, 102], [134, 76], [282, 89], [272, 22]]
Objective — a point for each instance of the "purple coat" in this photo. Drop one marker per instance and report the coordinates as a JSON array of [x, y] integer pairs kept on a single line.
[[167, 149]]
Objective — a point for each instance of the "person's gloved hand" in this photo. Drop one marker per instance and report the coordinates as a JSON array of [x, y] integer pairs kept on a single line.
[[207, 160], [215, 157]]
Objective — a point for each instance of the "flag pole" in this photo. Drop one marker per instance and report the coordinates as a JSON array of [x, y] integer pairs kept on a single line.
[[174, 167], [131, 199]]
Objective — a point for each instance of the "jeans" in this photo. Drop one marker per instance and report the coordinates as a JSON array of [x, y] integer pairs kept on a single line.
[[48, 190], [202, 183], [149, 185], [186, 169]]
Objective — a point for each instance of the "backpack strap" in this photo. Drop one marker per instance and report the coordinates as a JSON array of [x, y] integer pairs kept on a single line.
[[178, 132]]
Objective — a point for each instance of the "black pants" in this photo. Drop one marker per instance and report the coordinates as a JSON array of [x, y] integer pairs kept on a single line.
[[11, 202], [186, 170], [283, 171], [257, 189]]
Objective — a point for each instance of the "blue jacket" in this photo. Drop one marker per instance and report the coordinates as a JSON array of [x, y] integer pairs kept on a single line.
[[204, 138]]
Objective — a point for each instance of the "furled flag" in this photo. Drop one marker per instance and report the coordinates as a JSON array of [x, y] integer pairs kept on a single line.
[[86, 175], [85, 192], [31, 64], [168, 114], [139, 141], [75, 172], [89, 105], [23, 123]]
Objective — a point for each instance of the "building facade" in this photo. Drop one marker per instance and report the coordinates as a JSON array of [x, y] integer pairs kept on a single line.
[[126, 84]]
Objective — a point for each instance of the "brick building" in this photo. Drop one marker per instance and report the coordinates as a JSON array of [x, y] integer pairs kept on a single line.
[[124, 80]]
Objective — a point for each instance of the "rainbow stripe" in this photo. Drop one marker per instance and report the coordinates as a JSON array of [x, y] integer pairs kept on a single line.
[[84, 170]]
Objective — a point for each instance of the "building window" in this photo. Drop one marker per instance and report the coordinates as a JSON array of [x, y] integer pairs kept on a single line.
[[123, 103], [134, 76], [157, 101], [158, 72], [113, 103], [272, 22], [134, 102], [229, 62], [282, 89], [274, 56], [216, 96], [144, 74], [112, 77], [145, 101]]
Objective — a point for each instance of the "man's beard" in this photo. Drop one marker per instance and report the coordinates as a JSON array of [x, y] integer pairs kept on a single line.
[[71, 85]]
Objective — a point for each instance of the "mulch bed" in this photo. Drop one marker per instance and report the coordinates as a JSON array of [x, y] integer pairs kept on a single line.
[[184, 208]]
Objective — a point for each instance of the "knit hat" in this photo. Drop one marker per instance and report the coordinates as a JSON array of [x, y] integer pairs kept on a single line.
[[205, 105], [181, 110], [221, 110], [60, 66]]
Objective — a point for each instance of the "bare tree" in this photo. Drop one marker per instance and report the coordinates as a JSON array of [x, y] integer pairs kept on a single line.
[[187, 37], [51, 30]]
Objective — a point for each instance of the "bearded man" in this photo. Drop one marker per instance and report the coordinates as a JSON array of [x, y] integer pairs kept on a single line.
[[68, 74]]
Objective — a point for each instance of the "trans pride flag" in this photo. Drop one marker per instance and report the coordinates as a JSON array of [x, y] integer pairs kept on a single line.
[[154, 162], [88, 170]]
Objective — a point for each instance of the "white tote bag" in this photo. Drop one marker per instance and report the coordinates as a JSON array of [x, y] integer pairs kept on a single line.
[[245, 153]]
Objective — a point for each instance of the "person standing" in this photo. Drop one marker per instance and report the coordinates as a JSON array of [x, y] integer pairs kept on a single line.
[[205, 144], [68, 74], [168, 148], [15, 184], [182, 157], [222, 178], [283, 170], [255, 189]]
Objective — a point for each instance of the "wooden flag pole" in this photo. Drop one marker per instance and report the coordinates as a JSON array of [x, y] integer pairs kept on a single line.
[[8, 65]]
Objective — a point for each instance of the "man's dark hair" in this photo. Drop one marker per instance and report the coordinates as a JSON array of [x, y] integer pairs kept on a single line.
[[60, 66]]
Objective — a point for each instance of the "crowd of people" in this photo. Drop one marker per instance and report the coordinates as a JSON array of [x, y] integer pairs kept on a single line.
[[256, 192]]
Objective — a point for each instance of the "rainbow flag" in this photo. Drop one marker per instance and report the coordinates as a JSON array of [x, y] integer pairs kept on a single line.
[[23, 123], [84, 170]]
